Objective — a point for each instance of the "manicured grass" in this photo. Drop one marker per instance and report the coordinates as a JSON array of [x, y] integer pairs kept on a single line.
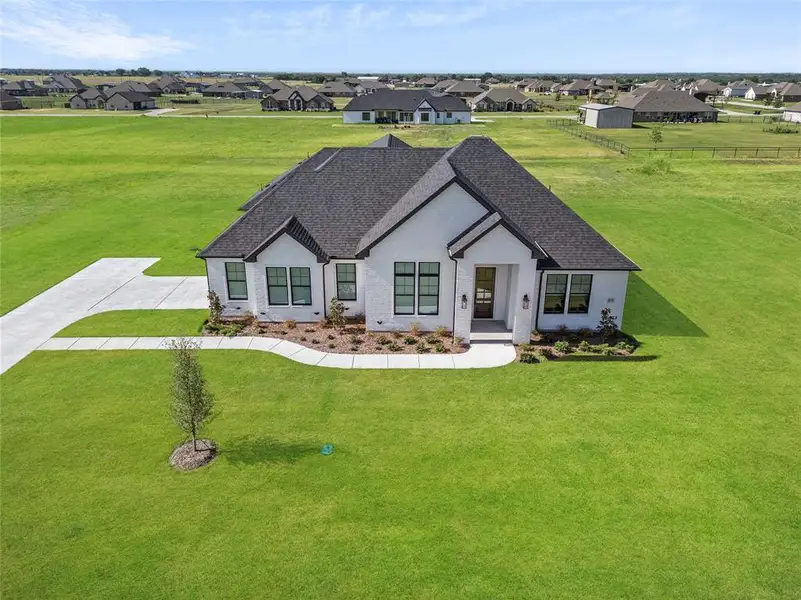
[[130, 323], [703, 134], [166, 187], [676, 477]]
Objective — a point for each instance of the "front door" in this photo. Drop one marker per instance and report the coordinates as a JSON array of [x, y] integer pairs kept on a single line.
[[485, 293]]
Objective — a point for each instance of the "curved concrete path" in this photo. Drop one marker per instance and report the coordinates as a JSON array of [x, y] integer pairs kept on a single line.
[[107, 284], [479, 356]]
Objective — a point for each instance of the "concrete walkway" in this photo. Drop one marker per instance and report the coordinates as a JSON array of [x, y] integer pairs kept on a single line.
[[108, 284], [479, 356]]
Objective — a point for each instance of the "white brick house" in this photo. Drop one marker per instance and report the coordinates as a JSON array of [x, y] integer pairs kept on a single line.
[[463, 238], [413, 107]]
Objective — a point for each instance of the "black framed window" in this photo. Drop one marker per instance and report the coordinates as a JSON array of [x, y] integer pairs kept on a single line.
[[301, 285], [237, 284], [346, 281], [449, 115], [404, 288], [365, 116], [579, 301], [428, 289], [555, 290], [424, 117], [277, 291]]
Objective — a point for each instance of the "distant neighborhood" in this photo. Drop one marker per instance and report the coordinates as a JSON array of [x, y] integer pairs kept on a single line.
[[600, 102]]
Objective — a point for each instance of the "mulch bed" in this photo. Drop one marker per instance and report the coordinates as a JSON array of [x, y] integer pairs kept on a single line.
[[184, 457], [554, 345], [353, 339]]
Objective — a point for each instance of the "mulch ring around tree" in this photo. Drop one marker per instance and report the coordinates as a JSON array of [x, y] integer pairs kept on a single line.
[[184, 457]]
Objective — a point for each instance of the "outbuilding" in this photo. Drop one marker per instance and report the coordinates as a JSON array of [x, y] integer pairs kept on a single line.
[[606, 116], [792, 113], [9, 102]]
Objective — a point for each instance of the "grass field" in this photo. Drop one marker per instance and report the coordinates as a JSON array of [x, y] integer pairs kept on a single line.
[[704, 134], [673, 478]]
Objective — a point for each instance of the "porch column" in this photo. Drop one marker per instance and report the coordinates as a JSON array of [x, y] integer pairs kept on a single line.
[[526, 286], [464, 285]]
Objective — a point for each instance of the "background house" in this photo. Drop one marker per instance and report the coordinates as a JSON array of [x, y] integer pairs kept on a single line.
[[425, 82], [506, 99], [133, 86], [338, 89], [229, 89], [299, 98], [63, 84], [89, 98], [9, 102], [466, 89], [23, 87], [418, 107], [125, 100], [667, 105], [168, 84], [738, 89]]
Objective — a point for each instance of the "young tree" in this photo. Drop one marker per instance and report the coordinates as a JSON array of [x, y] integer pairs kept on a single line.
[[778, 103], [193, 404], [607, 326], [656, 135], [336, 313], [215, 307]]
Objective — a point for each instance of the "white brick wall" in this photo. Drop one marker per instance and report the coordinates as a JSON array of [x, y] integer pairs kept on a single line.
[[354, 308], [608, 289], [423, 238]]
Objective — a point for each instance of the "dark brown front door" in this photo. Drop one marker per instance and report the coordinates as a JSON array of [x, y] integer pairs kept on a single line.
[[485, 293]]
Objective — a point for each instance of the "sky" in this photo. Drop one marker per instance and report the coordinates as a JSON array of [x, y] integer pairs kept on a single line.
[[385, 36]]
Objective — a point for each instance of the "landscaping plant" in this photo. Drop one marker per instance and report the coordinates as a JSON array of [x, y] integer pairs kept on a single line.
[[215, 308], [336, 313], [193, 403], [607, 326]]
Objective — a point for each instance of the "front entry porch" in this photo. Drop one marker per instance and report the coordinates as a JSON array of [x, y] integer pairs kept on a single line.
[[489, 330]]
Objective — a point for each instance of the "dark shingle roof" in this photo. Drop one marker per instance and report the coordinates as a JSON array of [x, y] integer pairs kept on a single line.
[[91, 93], [130, 86], [389, 141], [665, 101], [132, 96], [336, 87], [347, 199], [465, 87], [407, 100], [502, 95]]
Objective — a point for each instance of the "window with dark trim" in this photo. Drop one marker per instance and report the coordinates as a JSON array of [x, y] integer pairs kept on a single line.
[[237, 283], [555, 290], [404, 288], [346, 281], [579, 301], [300, 277], [277, 291], [428, 289], [449, 115], [365, 116], [424, 117]]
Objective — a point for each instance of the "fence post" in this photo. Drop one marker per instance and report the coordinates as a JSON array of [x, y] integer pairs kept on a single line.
[[713, 152], [735, 152]]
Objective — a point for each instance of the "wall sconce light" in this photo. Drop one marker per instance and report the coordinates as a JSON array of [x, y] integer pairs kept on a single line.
[[317, 313], [525, 302], [380, 322], [464, 301]]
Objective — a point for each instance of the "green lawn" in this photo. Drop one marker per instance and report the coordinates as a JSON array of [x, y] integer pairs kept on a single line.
[[138, 323], [703, 134], [166, 187], [678, 477]]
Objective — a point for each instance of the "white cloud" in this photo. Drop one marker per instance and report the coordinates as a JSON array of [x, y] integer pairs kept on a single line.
[[358, 16], [81, 33]]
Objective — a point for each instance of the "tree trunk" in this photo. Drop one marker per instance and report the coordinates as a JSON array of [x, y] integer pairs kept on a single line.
[[194, 439]]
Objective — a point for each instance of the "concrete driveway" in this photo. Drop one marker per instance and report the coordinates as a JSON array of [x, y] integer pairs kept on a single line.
[[108, 284]]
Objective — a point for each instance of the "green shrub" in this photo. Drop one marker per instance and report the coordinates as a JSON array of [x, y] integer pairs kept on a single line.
[[393, 347], [442, 331], [624, 346], [382, 340], [290, 323], [562, 347], [529, 358], [409, 340], [432, 339], [584, 346], [526, 347], [656, 166], [439, 347], [355, 339], [421, 347], [336, 313], [607, 326]]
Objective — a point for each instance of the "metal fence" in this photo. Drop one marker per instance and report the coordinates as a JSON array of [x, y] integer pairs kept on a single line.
[[749, 118], [572, 127], [723, 151]]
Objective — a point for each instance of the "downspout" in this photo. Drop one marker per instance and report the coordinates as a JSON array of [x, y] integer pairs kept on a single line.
[[453, 324], [539, 297], [325, 304]]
